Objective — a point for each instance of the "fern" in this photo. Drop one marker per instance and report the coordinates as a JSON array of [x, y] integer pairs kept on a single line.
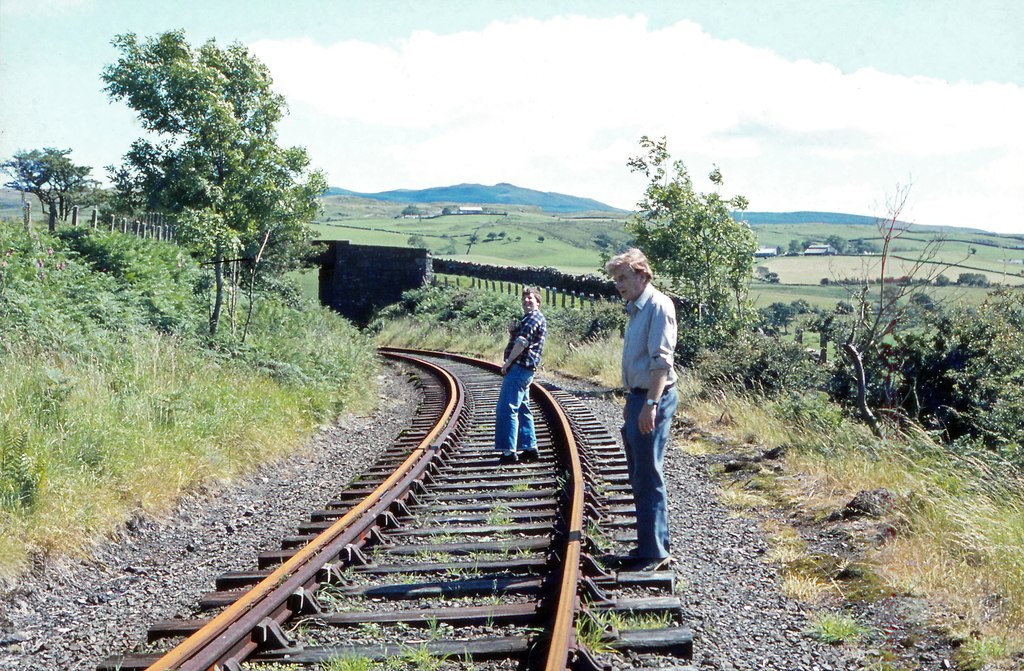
[[19, 475]]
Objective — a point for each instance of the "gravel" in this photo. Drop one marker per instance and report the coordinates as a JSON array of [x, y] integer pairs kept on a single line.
[[70, 615]]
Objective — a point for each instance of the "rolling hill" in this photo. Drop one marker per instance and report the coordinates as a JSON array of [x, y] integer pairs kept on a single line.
[[478, 194]]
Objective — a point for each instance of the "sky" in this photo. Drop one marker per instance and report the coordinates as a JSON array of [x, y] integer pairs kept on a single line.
[[835, 106]]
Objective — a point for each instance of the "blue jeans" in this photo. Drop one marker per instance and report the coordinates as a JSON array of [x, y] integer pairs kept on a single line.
[[645, 458], [513, 421]]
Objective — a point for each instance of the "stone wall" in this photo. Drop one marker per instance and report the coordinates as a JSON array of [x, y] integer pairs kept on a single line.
[[548, 278]]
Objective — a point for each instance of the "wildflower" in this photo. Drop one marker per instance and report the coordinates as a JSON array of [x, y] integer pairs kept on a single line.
[[39, 263], [49, 251], [3, 264]]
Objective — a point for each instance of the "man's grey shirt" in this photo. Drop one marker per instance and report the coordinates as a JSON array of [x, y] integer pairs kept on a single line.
[[650, 340]]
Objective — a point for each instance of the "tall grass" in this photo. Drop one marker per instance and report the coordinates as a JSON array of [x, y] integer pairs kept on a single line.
[[959, 518], [113, 403]]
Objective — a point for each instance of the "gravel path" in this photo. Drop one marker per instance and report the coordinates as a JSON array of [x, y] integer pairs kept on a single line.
[[70, 616]]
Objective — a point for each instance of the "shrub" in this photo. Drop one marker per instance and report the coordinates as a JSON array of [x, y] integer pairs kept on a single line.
[[760, 363]]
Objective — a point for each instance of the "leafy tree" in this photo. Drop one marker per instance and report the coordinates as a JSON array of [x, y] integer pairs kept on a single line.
[[417, 241], [861, 246], [52, 177], [779, 315], [411, 211], [693, 242], [838, 243], [972, 280], [216, 164], [795, 246]]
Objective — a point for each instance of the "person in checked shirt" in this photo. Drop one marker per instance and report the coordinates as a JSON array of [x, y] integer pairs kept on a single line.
[[514, 436]]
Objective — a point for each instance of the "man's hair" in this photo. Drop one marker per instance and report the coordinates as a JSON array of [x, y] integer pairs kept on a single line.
[[529, 289], [633, 259]]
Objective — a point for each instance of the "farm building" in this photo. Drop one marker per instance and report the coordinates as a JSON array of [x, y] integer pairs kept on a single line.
[[470, 210], [766, 252], [820, 250]]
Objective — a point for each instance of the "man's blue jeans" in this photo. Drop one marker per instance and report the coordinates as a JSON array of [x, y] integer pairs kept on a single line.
[[645, 457], [513, 421]]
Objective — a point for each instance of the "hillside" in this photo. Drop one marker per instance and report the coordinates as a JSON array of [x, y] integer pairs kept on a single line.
[[478, 194]]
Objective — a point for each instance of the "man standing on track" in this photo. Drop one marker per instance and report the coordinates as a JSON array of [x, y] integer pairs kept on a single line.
[[649, 376], [514, 435]]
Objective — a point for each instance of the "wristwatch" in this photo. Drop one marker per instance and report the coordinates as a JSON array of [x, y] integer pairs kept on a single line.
[[651, 401]]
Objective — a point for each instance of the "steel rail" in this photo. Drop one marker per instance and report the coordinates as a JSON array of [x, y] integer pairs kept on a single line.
[[229, 634], [563, 633]]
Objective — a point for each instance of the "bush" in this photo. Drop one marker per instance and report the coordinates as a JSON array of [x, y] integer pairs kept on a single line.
[[490, 311], [763, 364], [961, 376]]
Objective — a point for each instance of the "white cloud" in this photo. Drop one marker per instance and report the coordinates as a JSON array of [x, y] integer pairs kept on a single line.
[[560, 104]]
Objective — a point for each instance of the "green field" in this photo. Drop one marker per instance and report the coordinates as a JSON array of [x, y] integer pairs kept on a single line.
[[514, 237], [527, 236]]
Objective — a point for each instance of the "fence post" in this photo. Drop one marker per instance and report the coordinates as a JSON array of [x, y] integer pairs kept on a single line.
[[823, 345], [74, 216], [28, 216], [95, 218]]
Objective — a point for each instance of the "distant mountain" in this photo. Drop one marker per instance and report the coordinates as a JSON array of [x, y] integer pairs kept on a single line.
[[763, 218], [478, 194]]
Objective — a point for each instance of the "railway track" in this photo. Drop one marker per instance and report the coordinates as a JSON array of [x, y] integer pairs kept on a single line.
[[442, 558]]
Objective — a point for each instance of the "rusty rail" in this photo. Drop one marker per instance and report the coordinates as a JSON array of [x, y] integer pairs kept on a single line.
[[562, 626], [229, 634]]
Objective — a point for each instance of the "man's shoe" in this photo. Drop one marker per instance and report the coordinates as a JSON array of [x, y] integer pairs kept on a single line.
[[529, 455], [507, 458]]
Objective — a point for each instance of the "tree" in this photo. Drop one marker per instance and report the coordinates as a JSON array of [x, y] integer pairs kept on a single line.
[[217, 164], [695, 244], [838, 243], [871, 346], [411, 211], [972, 280], [779, 314], [795, 246], [52, 177]]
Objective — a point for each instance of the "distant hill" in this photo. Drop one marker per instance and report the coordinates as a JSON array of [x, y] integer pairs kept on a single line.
[[764, 218], [478, 194]]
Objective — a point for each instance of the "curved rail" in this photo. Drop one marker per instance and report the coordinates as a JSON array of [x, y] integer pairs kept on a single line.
[[228, 635], [563, 633]]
